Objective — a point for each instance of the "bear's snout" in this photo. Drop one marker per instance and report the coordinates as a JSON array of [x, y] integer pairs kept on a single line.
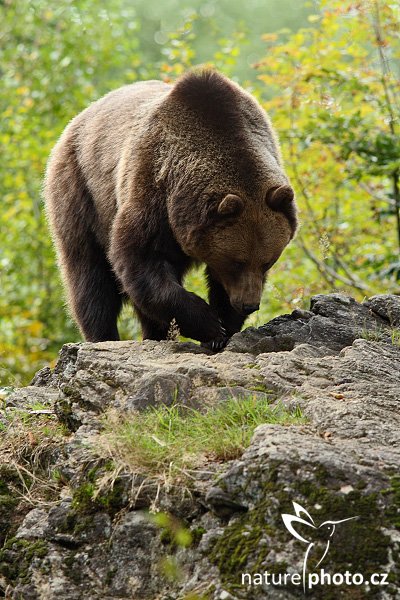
[[244, 308], [247, 309], [245, 293]]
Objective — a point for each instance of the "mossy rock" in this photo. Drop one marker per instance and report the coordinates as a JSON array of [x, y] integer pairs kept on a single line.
[[87, 500], [10, 484], [16, 557], [251, 542]]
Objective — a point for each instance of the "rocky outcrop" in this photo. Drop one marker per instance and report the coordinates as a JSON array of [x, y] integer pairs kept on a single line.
[[339, 363]]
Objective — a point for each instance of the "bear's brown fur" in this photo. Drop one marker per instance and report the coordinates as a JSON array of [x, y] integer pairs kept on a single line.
[[153, 178]]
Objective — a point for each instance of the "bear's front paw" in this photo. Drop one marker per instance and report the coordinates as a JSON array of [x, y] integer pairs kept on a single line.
[[216, 345], [199, 321]]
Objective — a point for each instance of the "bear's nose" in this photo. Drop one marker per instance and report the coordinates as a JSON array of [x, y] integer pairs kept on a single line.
[[250, 308]]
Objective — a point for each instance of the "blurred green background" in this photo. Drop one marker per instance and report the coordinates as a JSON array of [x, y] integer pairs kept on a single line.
[[328, 74]]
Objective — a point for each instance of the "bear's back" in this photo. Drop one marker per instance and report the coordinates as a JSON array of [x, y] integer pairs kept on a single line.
[[101, 136], [103, 128]]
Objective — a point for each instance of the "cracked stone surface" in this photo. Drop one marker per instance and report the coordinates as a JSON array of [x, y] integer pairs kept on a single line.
[[339, 362]]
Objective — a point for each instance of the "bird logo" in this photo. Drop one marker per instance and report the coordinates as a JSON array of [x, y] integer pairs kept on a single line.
[[327, 527]]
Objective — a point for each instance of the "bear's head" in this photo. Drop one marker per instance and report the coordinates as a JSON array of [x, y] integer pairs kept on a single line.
[[229, 201], [240, 240]]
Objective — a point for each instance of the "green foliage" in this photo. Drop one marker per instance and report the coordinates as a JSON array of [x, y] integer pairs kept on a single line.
[[336, 107], [330, 89], [53, 61], [174, 533]]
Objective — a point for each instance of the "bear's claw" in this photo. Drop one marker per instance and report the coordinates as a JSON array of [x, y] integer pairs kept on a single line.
[[216, 345], [223, 330]]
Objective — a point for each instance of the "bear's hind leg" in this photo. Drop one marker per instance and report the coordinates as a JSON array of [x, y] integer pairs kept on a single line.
[[92, 288], [94, 296]]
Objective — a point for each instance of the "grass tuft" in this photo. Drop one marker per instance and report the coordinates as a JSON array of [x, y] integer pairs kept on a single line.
[[395, 337], [168, 441], [28, 439]]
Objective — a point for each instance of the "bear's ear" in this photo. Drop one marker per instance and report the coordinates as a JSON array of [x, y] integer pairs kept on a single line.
[[231, 205], [280, 198]]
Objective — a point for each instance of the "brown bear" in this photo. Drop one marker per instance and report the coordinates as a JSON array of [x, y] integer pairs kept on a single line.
[[153, 178]]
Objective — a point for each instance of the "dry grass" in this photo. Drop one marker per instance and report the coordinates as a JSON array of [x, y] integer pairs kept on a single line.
[[28, 439]]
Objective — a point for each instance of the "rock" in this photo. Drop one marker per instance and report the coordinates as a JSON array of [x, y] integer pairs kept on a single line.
[[338, 362], [387, 307], [131, 376], [333, 321], [34, 525], [32, 395], [222, 504], [342, 394]]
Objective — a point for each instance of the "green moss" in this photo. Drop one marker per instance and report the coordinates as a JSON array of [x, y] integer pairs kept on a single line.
[[75, 522], [359, 542], [68, 524], [86, 499], [260, 387], [82, 499], [16, 557], [240, 546], [359, 545], [197, 533], [7, 499], [69, 561], [81, 523], [393, 509], [71, 393], [110, 575], [112, 499], [64, 411], [10, 484], [72, 571]]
